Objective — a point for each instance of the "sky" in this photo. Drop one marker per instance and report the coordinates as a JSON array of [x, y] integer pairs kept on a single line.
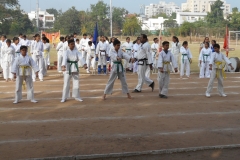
[[133, 6]]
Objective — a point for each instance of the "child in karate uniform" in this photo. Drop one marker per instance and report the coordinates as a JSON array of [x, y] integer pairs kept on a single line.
[[217, 65], [22, 70], [60, 54], [204, 58], [117, 69], [90, 49], [186, 59], [71, 57], [164, 60]]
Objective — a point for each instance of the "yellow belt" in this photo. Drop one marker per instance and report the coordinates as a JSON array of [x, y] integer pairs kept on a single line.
[[45, 53], [219, 69], [24, 72], [166, 63]]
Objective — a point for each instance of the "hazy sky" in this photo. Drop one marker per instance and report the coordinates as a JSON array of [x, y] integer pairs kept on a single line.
[[133, 6]]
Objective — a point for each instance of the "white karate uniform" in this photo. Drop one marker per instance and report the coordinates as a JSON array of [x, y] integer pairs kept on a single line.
[[205, 56], [24, 74], [136, 48], [65, 46], [25, 42], [185, 61], [101, 51], [70, 60], [83, 47], [2, 45], [37, 49], [46, 56], [7, 61], [117, 71], [17, 49], [90, 55], [144, 59], [154, 49], [175, 49], [128, 47], [217, 71], [164, 61], [60, 56], [31, 46]]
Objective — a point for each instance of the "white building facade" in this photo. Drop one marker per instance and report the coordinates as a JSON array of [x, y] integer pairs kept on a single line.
[[44, 16], [204, 6], [189, 17], [163, 7], [152, 24]]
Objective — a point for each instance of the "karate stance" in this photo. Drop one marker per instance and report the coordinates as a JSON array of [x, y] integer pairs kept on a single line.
[[8, 54], [16, 45], [90, 49], [71, 58], [175, 49], [204, 59], [144, 59], [127, 48], [22, 70], [46, 56], [136, 48], [164, 64], [37, 49], [116, 56], [101, 54], [83, 45], [217, 65], [186, 59], [60, 54], [154, 48]]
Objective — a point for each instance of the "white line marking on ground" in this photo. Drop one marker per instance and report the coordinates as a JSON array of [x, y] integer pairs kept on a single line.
[[118, 118]]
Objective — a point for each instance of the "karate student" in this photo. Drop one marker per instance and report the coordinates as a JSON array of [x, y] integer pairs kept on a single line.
[[83, 44], [75, 36], [70, 66], [16, 45], [65, 44], [77, 45], [154, 49], [46, 51], [186, 59], [25, 41], [144, 59], [202, 45], [37, 50], [60, 54], [127, 48], [101, 54], [217, 65], [20, 37], [164, 64], [3, 44], [213, 42], [22, 70], [117, 70], [175, 49], [8, 54], [136, 48], [90, 55], [204, 59], [31, 44]]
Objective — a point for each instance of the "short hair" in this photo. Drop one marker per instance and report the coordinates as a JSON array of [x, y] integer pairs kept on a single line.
[[77, 40], [4, 36], [48, 40], [84, 34], [20, 34], [165, 42], [115, 42], [37, 35], [155, 39], [74, 33], [8, 41], [23, 47], [185, 43], [214, 41], [71, 41], [43, 35], [207, 43], [15, 38], [127, 38], [144, 36], [44, 38], [89, 43], [62, 38], [216, 46], [24, 36]]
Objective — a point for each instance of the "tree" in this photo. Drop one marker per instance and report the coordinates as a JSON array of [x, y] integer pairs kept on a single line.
[[164, 15], [131, 26], [186, 28], [216, 15], [53, 11], [173, 16], [170, 23], [234, 20], [118, 17]]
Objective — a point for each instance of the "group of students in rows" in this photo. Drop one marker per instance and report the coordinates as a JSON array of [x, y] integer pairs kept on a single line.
[[118, 55]]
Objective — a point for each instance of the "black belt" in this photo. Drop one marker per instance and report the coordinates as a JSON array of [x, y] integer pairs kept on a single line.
[[143, 61], [102, 51]]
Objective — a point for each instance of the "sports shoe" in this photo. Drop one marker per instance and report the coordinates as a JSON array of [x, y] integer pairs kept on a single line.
[[136, 91], [223, 95], [88, 72], [79, 99], [63, 100], [152, 86], [34, 80], [41, 80], [15, 102], [208, 95], [163, 96], [34, 101]]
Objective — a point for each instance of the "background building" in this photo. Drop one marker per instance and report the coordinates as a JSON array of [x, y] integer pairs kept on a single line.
[[152, 24], [162, 7], [189, 17], [46, 18], [204, 6]]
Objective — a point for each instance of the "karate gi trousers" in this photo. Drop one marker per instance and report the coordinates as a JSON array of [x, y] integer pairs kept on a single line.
[[75, 86], [142, 77], [29, 85], [220, 81], [163, 82], [39, 61], [204, 70], [7, 70], [185, 65], [60, 59]]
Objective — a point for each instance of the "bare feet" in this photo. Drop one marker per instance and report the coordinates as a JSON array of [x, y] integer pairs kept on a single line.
[[129, 96], [104, 97]]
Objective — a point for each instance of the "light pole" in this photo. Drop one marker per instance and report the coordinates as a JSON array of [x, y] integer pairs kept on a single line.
[[37, 16], [111, 27]]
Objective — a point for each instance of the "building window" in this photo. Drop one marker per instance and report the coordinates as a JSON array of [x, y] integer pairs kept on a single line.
[[49, 18]]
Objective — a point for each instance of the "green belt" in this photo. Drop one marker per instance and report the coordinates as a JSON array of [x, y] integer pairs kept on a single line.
[[117, 62], [183, 55], [76, 65], [17, 53], [128, 49], [205, 55]]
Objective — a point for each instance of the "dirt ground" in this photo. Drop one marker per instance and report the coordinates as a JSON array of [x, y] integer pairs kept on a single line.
[[147, 123]]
